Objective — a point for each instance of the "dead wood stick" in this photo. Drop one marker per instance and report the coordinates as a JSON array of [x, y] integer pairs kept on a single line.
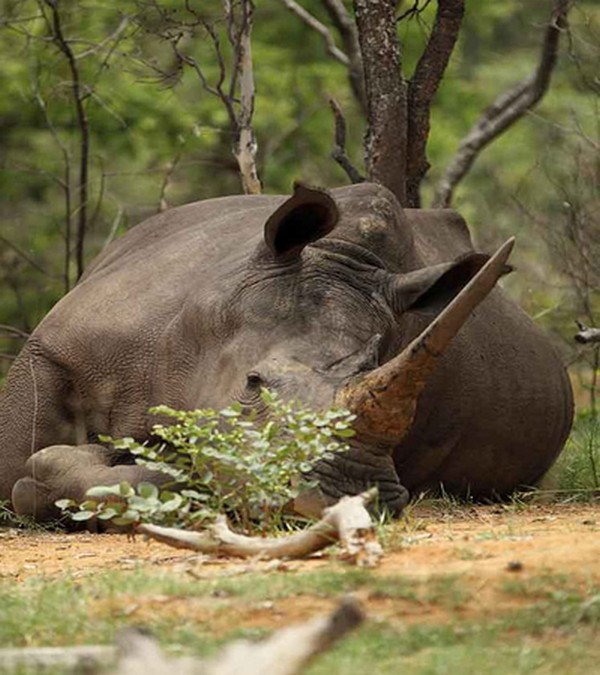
[[586, 335], [347, 521]]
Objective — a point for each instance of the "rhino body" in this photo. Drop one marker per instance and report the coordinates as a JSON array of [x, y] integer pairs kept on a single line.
[[203, 305]]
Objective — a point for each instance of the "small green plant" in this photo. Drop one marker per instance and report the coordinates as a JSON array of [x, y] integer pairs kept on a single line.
[[220, 462]]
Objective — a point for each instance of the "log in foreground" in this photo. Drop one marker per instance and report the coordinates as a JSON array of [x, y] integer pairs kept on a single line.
[[285, 652], [347, 522]]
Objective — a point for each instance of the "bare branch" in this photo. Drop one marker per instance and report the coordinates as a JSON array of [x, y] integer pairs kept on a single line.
[[506, 109], [587, 335], [65, 184], [348, 522], [385, 144], [245, 146], [346, 26], [25, 257], [413, 11], [113, 230], [163, 205], [320, 28], [114, 36], [240, 77], [79, 95], [12, 332], [339, 151], [423, 87]]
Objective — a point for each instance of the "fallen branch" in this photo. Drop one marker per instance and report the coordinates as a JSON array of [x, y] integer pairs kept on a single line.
[[286, 652], [348, 522], [587, 335], [506, 109]]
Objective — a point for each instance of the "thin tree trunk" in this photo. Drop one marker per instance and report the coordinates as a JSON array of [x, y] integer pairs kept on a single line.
[[385, 144], [422, 89]]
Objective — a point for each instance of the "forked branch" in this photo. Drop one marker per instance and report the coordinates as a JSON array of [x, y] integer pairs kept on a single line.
[[347, 522], [233, 84], [423, 87], [506, 109]]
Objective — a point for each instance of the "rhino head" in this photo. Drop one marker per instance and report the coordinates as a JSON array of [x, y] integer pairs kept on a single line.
[[334, 307]]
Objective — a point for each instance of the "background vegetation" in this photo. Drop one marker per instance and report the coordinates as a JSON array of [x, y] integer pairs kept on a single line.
[[156, 137]]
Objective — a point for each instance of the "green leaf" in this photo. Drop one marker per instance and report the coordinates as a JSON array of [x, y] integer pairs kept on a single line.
[[83, 515], [108, 514], [103, 491], [147, 490], [125, 489]]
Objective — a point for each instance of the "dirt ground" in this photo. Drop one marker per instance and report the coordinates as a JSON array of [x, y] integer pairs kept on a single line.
[[484, 547]]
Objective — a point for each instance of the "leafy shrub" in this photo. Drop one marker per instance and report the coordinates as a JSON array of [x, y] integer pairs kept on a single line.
[[219, 462]]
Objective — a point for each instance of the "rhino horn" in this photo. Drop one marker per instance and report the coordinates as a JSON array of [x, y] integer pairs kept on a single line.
[[385, 399]]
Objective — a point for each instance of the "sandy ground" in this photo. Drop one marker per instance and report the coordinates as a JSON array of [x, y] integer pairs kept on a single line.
[[484, 547]]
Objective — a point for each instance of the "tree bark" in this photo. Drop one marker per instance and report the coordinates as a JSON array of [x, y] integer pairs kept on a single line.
[[386, 90]]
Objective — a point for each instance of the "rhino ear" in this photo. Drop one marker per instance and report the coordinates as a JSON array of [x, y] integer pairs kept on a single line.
[[432, 288], [309, 214]]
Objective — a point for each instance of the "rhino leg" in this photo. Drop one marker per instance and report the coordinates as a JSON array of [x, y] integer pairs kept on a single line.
[[353, 472], [63, 471]]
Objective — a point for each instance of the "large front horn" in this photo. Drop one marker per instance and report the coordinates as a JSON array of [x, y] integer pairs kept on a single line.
[[385, 399]]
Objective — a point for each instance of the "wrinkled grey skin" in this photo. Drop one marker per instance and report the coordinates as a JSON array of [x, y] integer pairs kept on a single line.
[[193, 308]]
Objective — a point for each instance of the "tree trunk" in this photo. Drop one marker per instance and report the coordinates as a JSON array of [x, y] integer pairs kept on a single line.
[[385, 144]]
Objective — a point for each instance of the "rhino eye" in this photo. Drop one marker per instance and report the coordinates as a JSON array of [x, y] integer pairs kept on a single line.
[[253, 380]]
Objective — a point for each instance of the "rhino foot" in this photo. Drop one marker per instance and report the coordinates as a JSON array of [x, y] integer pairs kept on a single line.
[[67, 472], [353, 472]]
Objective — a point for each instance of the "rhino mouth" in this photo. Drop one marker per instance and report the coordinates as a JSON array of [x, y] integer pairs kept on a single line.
[[384, 399]]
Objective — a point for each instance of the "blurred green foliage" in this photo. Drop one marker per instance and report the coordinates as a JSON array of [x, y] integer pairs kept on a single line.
[[155, 132]]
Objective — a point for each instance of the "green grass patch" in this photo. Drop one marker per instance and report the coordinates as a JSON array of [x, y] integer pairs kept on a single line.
[[555, 633]]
